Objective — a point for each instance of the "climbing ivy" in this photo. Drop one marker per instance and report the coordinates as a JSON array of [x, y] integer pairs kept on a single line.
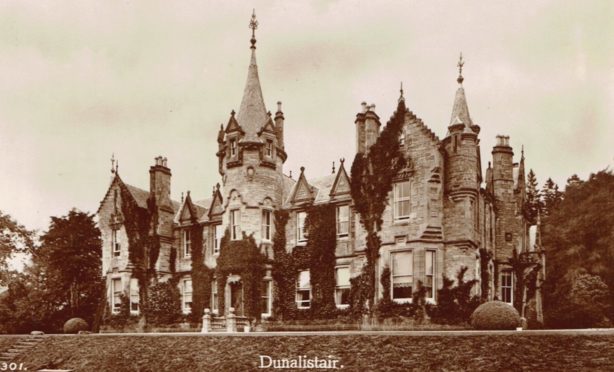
[[143, 241], [372, 176], [283, 272], [241, 257], [201, 274], [321, 243]]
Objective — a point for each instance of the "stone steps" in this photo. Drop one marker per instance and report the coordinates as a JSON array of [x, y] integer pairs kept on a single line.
[[21, 346]]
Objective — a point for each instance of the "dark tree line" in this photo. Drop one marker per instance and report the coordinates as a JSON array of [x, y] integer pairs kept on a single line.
[[63, 279]]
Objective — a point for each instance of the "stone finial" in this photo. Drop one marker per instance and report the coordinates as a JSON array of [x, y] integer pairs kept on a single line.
[[182, 196], [460, 65], [401, 98], [342, 160], [269, 113], [290, 175], [253, 24]]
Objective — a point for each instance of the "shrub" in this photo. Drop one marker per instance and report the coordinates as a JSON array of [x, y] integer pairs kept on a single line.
[[455, 304], [74, 325], [495, 315], [163, 304]]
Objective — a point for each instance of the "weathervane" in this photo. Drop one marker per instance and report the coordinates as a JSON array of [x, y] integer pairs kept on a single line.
[[460, 65], [253, 24]]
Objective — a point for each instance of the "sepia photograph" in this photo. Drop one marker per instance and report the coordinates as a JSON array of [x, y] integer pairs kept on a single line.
[[202, 185]]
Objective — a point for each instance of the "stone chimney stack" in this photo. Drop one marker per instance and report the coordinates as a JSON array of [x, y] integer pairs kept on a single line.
[[160, 184]]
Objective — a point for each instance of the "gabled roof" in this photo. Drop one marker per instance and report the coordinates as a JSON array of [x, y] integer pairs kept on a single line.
[[140, 196], [252, 112], [341, 185], [302, 190], [190, 210]]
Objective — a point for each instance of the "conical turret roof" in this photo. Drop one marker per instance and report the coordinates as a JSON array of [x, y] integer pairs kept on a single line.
[[252, 114]]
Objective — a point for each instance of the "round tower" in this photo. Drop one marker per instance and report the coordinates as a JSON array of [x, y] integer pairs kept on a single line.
[[462, 172], [251, 157]]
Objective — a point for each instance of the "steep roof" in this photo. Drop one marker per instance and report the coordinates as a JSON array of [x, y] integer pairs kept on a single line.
[[252, 112], [460, 110]]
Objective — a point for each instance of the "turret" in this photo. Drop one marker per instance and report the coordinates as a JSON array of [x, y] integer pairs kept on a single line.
[[463, 174], [279, 125], [251, 158]]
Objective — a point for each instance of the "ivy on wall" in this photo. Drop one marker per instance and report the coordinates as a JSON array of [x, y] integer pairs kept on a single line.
[[201, 274], [485, 257], [241, 257], [143, 242], [321, 244], [284, 272], [372, 176]]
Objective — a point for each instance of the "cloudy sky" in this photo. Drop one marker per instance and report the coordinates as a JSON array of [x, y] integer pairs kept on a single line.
[[80, 80]]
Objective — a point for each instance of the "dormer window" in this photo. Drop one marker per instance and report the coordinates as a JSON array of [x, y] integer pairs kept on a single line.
[[269, 148], [233, 148]]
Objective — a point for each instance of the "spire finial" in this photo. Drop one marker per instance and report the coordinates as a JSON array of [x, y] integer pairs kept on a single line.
[[333, 167], [522, 152], [460, 65], [253, 24], [112, 163], [401, 98]]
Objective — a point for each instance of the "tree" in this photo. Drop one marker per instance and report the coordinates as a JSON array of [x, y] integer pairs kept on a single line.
[[372, 175], [532, 203], [70, 256], [14, 238], [578, 236], [550, 197]]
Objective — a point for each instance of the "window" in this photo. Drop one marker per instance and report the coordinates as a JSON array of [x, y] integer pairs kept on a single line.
[[233, 148], [401, 200], [187, 243], [303, 290], [116, 300], [343, 221], [402, 275], [214, 296], [342, 289], [187, 295], [266, 298], [429, 282], [402, 138], [218, 232], [235, 224], [115, 244], [266, 224], [134, 296], [300, 227], [269, 148], [507, 286]]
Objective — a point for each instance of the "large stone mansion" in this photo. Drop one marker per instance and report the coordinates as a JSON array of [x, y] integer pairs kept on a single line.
[[442, 214]]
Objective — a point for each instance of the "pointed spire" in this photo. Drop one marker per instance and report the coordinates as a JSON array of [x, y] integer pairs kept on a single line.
[[401, 98], [252, 112], [113, 163], [460, 110]]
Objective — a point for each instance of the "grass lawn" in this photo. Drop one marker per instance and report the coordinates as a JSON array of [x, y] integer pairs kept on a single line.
[[490, 352]]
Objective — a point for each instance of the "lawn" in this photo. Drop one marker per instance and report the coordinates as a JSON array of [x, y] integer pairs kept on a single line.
[[8, 341], [490, 352]]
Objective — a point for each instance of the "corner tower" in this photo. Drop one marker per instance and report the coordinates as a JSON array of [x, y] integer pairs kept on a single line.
[[462, 181], [251, 158]]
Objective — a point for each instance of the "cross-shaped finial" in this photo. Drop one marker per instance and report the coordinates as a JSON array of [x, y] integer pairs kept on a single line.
[[460, 65], [253, 24]]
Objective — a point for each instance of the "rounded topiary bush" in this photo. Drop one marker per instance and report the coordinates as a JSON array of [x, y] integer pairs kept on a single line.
[[495, 315], [75, 325]]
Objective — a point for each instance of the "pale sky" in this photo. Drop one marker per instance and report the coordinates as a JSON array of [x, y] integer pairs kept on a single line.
[[80, 80]]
